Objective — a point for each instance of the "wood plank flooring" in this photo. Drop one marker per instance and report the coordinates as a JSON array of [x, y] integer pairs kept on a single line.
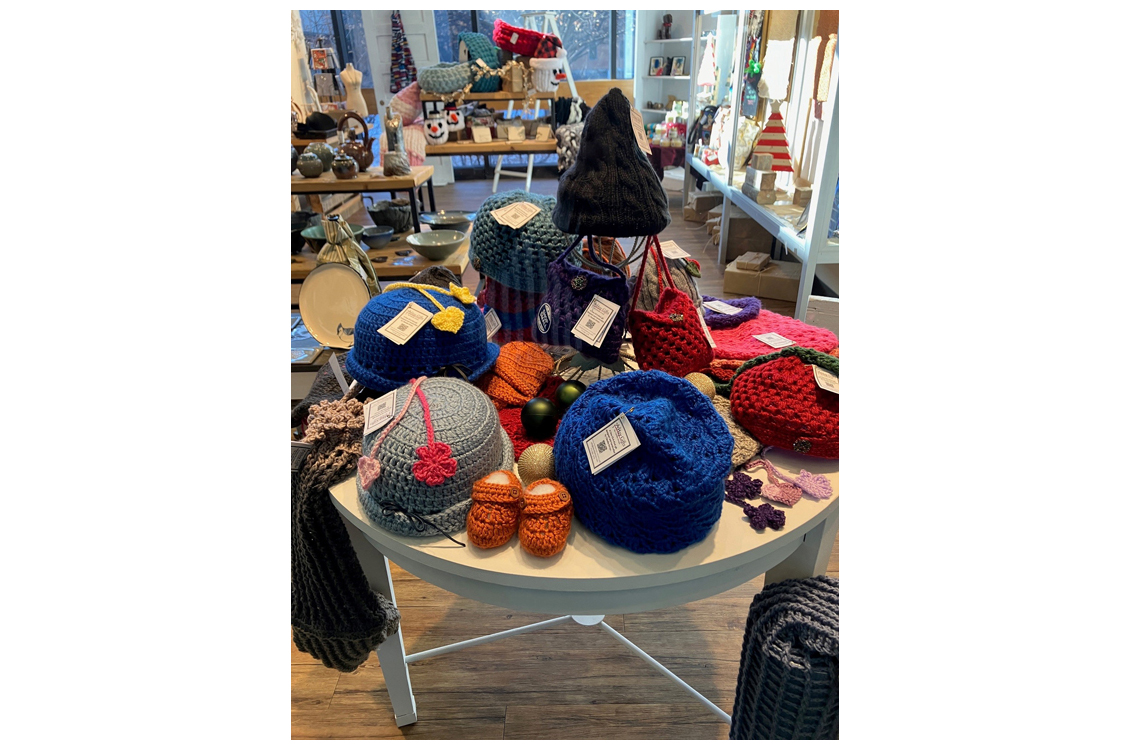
[[565, 682]]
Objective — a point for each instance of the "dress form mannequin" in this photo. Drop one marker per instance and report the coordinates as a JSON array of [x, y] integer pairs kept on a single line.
[[351, 77]]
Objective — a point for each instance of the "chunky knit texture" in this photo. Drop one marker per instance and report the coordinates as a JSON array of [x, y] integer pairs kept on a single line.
[[663, 496], [788, 677], [745, 445], [325, 388], [480, 48], [651, 286], [334, 615], [776, 398], [516, 39], [463, 418], [739, 342], [515, 310], [670, 337], [517, 257], [493, 518], [517, 375], [543, 527], [612, 189], [445, 78], [750, 307], [722, 370], [382, 365]]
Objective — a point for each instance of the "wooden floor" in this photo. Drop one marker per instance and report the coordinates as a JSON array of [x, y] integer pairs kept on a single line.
[[567, 682]]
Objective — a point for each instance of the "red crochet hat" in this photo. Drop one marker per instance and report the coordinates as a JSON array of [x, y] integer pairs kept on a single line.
[[739, 342], [511, 419], [776, 398]]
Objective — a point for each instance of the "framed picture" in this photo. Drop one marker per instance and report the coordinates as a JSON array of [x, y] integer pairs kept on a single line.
[[657, 66], [678, 66]]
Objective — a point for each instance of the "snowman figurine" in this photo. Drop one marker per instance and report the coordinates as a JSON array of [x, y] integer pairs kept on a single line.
[[435, 130], [455, 122]]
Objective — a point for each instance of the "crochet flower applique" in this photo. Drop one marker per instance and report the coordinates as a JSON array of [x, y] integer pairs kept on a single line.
[[435, 464]]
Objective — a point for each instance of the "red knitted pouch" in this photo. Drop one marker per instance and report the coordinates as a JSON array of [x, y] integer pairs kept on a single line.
[[516, 39], [670, 337], [776, 398]]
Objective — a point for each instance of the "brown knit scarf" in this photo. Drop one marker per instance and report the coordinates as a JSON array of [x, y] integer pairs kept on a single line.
[[334, 614]]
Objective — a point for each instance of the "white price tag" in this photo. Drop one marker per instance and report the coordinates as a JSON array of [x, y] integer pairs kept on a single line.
[[596, 320], [719, 306], [514, 38], [482, 64], [775, 340], [610, 443], [298, 453], [705, 329], [480, 134], [379, 413], [404, 326], [515, 215], [826, 380], [493, 323], [336, 367], [544, 133], [672, 251], [641, 135]]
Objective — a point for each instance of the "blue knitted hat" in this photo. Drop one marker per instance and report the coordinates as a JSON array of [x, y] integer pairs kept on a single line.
[[666, 494], [463, 419], [383, 365], [480, 47], [517, 258]]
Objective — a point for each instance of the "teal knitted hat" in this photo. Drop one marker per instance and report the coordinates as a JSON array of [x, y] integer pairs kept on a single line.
[[479, 47], [517, 258]]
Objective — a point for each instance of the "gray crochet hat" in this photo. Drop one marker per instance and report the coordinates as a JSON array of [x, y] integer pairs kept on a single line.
[[517, 258], [425, 493]]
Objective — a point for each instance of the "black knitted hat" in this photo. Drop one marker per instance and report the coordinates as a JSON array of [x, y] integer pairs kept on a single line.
[[611, 190]]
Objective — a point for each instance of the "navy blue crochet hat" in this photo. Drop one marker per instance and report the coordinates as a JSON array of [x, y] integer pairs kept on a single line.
[[666, 494], [517, 258], [480, 47], [383, 365]]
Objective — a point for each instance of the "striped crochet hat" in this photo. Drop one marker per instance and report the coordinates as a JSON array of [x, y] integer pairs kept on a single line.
[[666, 494], [517, 257]]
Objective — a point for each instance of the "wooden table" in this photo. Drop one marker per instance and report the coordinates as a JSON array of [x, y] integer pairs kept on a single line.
[[499, 147], [369, 181]]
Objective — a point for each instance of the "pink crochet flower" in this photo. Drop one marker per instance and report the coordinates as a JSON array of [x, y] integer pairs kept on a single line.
[[435, 464]]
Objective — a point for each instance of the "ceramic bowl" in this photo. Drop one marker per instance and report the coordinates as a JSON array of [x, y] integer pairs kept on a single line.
[[316, 236], [458, 221], [376, 237], [437, 245]]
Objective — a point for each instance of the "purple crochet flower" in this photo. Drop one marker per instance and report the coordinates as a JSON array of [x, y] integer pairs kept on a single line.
[[742, 487]]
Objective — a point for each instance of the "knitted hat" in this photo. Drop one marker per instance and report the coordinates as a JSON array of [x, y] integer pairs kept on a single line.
[[738, 342], [511, 419], [611, 190], [515, 309], [436, 276], [749, 307], [745, 445], [446, 436], [667, 493], [517, 375], [479, 47], [776, 398], [383, 365], [517, 257]]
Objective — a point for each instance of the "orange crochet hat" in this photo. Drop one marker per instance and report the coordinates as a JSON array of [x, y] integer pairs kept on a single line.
[[517, 375]]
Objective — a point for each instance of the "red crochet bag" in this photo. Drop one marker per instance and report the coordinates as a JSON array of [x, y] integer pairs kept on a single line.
[[670, 337], [516, 39]]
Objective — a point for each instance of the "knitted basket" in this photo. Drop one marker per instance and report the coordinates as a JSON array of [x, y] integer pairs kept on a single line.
[[788, 676], [738, 342], [517, 257], [480, 48], [516, 39], [445, 78], [750, 307], [776, 398], [666, 494]]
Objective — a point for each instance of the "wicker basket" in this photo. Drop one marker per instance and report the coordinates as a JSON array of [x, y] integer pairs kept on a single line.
[[445, 78]]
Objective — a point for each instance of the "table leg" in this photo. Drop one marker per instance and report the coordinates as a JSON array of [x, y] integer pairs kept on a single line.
[[316, 203], [415, 209], [811, 558], [431, 195], [390, 654]]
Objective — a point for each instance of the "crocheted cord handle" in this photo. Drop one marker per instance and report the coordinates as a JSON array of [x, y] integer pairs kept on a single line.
[[661, 264], [448, 319], [368, 467], [804, 354]]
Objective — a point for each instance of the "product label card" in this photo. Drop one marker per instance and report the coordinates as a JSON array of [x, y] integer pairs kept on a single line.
[[336, 367], [672, 251], [544, 133], [481, 64], [775, 340], [514, 38], [719, 306], [404, 326], [298, 453], [596, 320], [378, 413], [638, 130], [705, 329], [515, 215], [610, 443], [480, 134], [515, 133], [493, 323], [826, 380]]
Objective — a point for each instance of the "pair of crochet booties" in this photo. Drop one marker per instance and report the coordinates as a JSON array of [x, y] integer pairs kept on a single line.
[[541, 513]]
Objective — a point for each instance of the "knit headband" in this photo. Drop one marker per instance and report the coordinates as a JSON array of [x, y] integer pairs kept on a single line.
[[448, 319]]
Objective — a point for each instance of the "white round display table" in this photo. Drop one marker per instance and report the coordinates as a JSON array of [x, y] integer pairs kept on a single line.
[[590, 577]]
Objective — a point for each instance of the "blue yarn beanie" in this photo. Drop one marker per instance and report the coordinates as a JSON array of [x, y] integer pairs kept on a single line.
[[517, 258], [480, 47], [383, 365], [666, 494]]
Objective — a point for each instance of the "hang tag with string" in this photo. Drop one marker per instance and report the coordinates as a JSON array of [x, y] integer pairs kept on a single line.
[[492, 322], [335, 366], [639, 132]]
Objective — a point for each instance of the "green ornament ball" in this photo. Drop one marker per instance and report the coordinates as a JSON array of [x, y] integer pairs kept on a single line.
[[568, 392], [539, 418]]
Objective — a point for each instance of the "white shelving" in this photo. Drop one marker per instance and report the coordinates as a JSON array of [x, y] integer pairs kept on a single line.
[[669, 41]]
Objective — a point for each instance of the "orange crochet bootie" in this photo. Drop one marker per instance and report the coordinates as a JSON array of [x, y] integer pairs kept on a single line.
[[547, 515], [495, 502]]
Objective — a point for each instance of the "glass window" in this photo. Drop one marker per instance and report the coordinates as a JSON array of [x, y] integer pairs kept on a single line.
[[343, 31], [449, 25]]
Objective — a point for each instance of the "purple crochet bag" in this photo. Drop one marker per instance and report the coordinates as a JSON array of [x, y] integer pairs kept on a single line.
[[750, 307], [569, 289]]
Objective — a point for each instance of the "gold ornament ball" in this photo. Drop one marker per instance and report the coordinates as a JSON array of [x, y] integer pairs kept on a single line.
[[536, 463], [703, 383]]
